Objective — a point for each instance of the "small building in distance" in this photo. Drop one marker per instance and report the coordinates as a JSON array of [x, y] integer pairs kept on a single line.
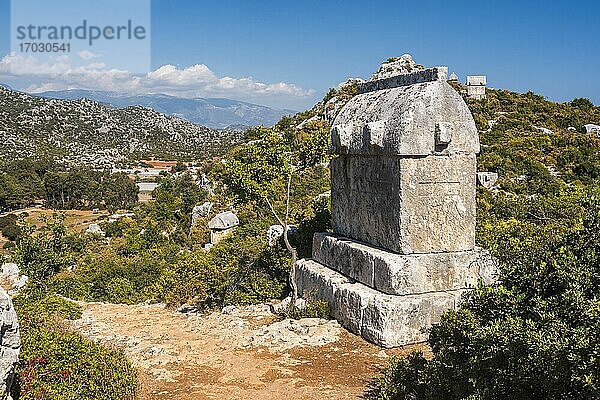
[[476, 86], [222, 225], [453, 77]]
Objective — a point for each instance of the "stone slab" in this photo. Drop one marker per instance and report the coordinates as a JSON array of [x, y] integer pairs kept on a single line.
[[386, 320], [412, 78], [401, 274]]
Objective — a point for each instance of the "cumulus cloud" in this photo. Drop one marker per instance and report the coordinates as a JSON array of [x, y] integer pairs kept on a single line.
[[87, 55], [195, 81]]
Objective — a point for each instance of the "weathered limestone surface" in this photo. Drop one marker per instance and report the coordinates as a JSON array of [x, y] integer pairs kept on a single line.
[[384, 319], [10, 344], [402, 274], [403, 180], [592, 128], [396, 66], [405, 121], [405, 205]]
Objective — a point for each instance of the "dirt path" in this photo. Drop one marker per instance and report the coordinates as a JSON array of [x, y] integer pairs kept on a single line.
[[243, 353]]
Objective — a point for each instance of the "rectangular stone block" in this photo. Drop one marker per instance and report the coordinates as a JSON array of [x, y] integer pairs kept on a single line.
[[405, 205], [402, 274], [386, 320]]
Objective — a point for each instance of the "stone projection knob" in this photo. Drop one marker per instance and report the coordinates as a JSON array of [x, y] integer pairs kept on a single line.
[[443, 133], [375, 132], [340, 137]]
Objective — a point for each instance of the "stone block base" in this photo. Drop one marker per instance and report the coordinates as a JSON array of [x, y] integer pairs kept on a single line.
[[384, 319], [403, 274]]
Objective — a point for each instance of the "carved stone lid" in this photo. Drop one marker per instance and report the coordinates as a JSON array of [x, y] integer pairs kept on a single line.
[[414, 114], [224, 220]]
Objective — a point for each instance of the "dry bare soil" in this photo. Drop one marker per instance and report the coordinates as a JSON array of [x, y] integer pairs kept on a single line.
[[244, 353]]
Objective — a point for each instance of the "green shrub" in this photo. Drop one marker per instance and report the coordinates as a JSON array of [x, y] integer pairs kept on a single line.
[[11, 232], [533, 336], [56, 363]]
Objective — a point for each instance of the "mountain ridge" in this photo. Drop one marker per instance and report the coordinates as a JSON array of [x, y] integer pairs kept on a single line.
[[217, 113], [85, 132]]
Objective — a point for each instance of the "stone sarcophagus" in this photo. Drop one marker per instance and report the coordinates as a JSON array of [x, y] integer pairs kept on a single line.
[[403, 182]]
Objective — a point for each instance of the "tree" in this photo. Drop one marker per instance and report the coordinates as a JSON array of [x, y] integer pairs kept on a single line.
[[582, 102], [262, 171]]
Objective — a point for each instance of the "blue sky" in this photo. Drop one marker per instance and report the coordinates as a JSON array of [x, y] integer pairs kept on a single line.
[[288, 53]]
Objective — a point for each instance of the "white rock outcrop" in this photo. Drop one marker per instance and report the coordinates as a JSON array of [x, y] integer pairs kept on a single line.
[[201, 211], [592, 128], [276, 231], [94, 229], [396, 66], [10, 344], [543, 130], [12, 274]]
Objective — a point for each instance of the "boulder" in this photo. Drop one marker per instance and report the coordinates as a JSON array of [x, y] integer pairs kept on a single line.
[[94, 229], [592, 128], [276, 231], [12, 273], [9, 269], [201, 211]]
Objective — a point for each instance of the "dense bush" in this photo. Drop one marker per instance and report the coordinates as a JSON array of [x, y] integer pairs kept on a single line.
[[24, 182], [56, 363], [87, 189], [9, 227]]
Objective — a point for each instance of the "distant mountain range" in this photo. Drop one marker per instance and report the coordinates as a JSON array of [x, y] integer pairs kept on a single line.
[[212, 113]]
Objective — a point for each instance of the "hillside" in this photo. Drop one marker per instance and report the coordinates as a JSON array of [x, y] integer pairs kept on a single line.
[[213, 113], [540, 221], [84, 132]]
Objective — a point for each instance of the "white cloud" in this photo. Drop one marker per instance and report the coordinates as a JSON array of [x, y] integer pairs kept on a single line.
[[87, 55], [194, 81]]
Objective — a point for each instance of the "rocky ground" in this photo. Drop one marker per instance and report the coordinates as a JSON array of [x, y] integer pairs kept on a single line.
[[241, 353]]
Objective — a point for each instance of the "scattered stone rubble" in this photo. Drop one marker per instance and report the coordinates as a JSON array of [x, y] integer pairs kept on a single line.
[[403, 210]]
